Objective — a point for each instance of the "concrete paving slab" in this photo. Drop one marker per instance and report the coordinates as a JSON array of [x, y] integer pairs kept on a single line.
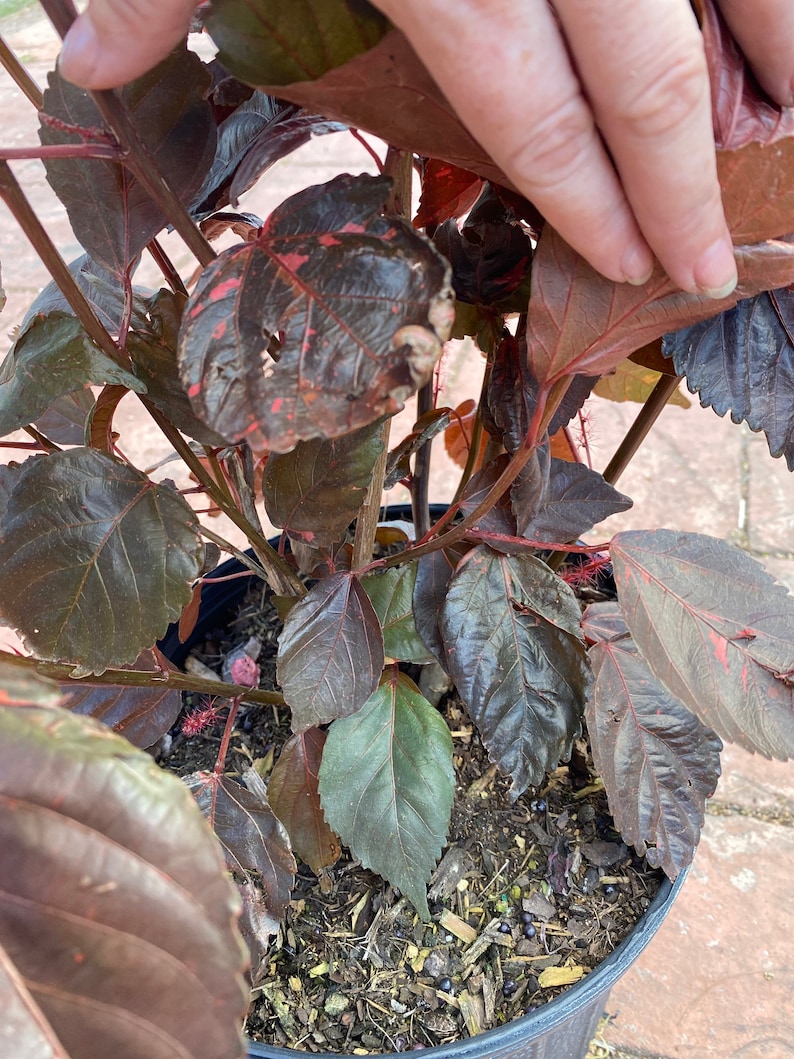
[[770, 500], [717, 981]]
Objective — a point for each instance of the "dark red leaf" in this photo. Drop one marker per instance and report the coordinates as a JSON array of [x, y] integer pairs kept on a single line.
[[252, 837], [430, 592], [108, 864], [515, 653], [315, 491], [742, 362], [388, 91], [295, 799], [447, 191], [330, 654], [659, 764], [716, 629], [111, 214], [25, 1027], [580, 322], [320, 326], [141, 715], [575, 500]]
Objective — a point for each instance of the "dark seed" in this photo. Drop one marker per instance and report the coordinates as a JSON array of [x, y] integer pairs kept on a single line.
[[609, 889], [526, 917], [529, 930], [509, 987], [540, 805], [445, 985], [504, 927]]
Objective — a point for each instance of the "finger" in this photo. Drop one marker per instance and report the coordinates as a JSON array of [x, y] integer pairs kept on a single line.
[[505, 69], [644, 69], [765, 33], [115, 41]]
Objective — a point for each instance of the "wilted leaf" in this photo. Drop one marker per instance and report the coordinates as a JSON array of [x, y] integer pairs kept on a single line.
[[123, 872], [295, 799], [511, 631], [391, 593], [458, 435], [575, 501], [318, 327], [110, 212], [51, 358], [252, 837], [633, 382], [386, 784], [447, 191], [398, 465], [315, 491], [141, 715], [24, 687], [716, 629], [266, 40], [657, 761], [95, 560], [330, 654], [742, 362], [153, 353]]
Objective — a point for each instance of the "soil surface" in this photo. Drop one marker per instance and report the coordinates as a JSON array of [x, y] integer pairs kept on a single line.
[[528, 897]]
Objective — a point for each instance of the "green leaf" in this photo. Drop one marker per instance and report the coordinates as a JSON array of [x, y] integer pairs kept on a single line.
[[716, 629], [633, 382], [514, 646], [52, 357], [153, 355], [269, 42], [295, 799], [95, 560], [330, 655], [111, 214], [24, 687], [391, 593], [315, 491], [387, 783], [107, 863], [325, 323]]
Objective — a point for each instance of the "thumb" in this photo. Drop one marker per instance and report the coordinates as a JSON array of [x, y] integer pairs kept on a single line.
[[115, 41]]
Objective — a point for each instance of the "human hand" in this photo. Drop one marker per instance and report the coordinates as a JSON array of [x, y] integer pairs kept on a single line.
[[599, 114]]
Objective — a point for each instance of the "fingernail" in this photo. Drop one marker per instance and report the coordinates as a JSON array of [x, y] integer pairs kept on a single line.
[[715, 272], [637, 264], [80, 52]]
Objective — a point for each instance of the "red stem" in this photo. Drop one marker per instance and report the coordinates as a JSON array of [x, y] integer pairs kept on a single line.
[[223, 750], [64, 150]]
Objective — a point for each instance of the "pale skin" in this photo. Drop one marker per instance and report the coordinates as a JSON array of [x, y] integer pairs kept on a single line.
[[598, 112]]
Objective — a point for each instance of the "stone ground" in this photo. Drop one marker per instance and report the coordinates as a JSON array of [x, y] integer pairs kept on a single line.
[[717, 981]]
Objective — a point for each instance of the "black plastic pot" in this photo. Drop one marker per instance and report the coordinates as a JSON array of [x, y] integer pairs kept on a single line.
[[561, 1029]]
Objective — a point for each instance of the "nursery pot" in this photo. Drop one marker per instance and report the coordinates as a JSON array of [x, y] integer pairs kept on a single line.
[[560, 1029]]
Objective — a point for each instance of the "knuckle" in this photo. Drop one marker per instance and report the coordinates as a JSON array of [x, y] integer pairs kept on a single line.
[[555, 146], [668, 96]]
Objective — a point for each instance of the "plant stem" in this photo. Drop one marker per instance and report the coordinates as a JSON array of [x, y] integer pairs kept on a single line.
[[280, 575], [164, 263], [639, 429], [135, 678], [140, 159], [20, 74], [398, 166], [63, 150], [420, 480], [41, 440]]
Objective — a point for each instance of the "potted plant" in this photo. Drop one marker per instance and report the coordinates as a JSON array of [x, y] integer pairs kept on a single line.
[[275, 371]]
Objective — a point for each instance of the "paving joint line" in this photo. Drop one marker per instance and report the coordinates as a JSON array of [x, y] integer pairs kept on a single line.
[[781, 815]]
